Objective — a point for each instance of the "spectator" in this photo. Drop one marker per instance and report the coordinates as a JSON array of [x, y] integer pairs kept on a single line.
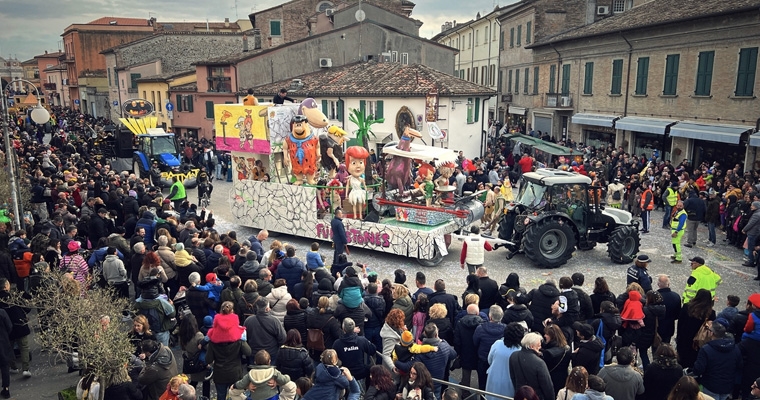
[[623, 382], [693, 315], [403, 302], [352, 350], [437, 316], [290, 268], [601, 293], [436, 362], [672, 302], [596, 390], [556, 354], [527, 368], [449, 300], [295, 319], [160, 367], [279, 298], [499, 374], [541, 300], [324, 319], [6, 349], [328, 378], [589, 350], [374, 324], [586, 306], [464, 343], [264, 330], [577, 382], [293, 359], [489, 289], [484, 337], [516, 312], [380, 385], [718, 363], [419, 385], [695, 210], [686, 388], [419, 281], [662, 374]]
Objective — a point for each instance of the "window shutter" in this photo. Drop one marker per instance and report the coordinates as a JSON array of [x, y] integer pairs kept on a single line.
[[178, 106], [566, 79], [671, 74], [511, 37], [588, 81], [501, 40], [509, 81], [528, 27], [519, 35], [477, 108], [517, 81], [324, 107], [363, 106], [469, 110], [745, 76], [379, 109], [189, 103], [340, 110], [617, 76], [642, 75], [552, 78], [527, 80], [209, 109], [535, 80], [704, 73]]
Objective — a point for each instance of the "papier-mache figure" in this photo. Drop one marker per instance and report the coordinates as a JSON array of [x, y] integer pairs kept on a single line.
[[426, 172], [335, 189], [303, 151], [331, 146], [356, 158], [446, 170], [398, 172]]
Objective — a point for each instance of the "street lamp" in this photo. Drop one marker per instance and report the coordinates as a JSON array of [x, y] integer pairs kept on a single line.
[[40, 116]]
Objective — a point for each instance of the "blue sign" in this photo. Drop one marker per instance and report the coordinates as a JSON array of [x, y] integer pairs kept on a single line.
[[115, 103], [76, 101], [169, 107]]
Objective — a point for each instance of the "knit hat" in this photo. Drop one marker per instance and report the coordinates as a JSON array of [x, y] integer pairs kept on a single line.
[[210, 277], [586, 330], [246, 243], [756, 204], [325, 285], [74, 246], [132, 193], [407, 339], [754, 299], [208, 321]]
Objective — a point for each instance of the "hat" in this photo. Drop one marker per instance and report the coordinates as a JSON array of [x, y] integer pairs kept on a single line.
[[722, 321], [74, 246], [45, 229], [102, 210], [756, 204], [407, 339], [210, 277], [167, 201], [325, 285], [586, 330], [754, 299], [246, 243], [643, 258], [350, 271], [699, 260], [132, 193], [208, 321], [121, 230], [153, 189]]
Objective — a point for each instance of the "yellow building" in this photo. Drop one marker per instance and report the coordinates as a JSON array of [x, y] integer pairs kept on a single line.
[[156, 90]]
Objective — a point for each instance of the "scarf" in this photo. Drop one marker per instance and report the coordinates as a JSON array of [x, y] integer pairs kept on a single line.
[[300, 154]]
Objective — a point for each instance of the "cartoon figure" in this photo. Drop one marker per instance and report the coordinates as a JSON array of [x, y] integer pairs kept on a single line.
[[331, 145], [241, 168], [398, 172], [313, 114], [240, 126], [248, 125], [426, 172], [342, 174], [335, 188], [446, 170], [252, 173], [356, 157], [303, 151], [259, 171]]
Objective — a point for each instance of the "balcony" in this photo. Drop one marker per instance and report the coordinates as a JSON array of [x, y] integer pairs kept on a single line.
[[558, 100]]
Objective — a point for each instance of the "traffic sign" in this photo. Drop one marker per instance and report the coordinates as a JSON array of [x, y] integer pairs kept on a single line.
[[169, 107], [76, 101], [115, 103]]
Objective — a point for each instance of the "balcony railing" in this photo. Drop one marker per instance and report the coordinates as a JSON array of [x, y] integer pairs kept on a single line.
[[558, 100]]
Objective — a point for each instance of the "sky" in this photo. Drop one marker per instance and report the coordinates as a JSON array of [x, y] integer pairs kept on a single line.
[[29, 27]]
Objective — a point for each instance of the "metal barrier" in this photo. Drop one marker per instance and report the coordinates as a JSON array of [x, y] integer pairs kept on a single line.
[[475, 392]]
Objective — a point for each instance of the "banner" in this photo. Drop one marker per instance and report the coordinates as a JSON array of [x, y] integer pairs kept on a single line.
[[241, 128]]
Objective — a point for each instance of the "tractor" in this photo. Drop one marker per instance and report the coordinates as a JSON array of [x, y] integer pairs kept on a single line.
[[556, 211], [158, 157]]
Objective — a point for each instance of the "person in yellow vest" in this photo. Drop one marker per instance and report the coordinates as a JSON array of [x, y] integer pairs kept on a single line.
[[702, 277], [646, 205], [677, 227], [177, 193], [250, 100], [669, 199]]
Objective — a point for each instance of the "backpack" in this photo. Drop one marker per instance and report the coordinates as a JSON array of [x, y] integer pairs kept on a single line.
[[153, 311], [616, 195], [315, 339]]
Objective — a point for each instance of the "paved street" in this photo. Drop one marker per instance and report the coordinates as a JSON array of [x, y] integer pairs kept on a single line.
[[49, 377]]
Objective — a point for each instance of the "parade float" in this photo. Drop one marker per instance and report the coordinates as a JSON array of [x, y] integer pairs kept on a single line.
[[291, 170]]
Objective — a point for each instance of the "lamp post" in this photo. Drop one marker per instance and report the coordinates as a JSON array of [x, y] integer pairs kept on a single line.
[[40, 116]]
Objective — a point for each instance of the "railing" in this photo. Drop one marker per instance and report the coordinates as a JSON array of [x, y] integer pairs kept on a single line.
[[558, 100]]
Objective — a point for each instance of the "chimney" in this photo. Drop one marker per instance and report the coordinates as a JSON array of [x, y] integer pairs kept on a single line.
[[257, 39], [226, 22], [45, 51], [245, 43]]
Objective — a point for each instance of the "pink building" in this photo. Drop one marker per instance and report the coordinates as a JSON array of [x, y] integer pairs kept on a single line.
[[194, 103]]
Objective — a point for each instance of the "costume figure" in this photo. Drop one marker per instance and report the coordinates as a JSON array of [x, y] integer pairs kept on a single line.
[[335, 193], [241, 168], [426, 172], [303, 151], [331, 146], [356, 157], [446, 170], [398, 172]]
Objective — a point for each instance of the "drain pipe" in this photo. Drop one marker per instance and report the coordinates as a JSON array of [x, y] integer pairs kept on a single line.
[[628, 76]]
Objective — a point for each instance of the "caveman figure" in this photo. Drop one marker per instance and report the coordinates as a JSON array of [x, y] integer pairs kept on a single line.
[[331, 146], [303, 151]]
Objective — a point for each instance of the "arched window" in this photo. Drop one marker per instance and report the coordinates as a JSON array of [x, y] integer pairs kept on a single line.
[[324, 5]]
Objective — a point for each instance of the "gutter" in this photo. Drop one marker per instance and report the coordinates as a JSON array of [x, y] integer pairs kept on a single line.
[[628, 77]]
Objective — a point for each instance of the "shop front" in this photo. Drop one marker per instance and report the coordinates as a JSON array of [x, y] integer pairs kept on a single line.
[[726, 144], [543, 122], [517, 119], [597, 129], [648, 135]]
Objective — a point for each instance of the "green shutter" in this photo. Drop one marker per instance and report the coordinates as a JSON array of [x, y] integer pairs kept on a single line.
[[671, 75], [379, 109], [617, 76], [133, 80], [229, 102], [469, 110], [588, 80], [552, 78], [528, 27], [566, 79], [519, 35], [189, 102], [527, 79], [511, 37], [477, 108], [324, 107], [501, 40], [517, 81], [535, 80], [704, 73], [509, 82], [210, 109], [116, 77], [363, 106], [340, 106], [745, 76], [275, 28], [642, 75], [178, 106]]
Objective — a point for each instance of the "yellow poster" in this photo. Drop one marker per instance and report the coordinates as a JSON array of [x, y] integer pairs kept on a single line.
[[241, 128]]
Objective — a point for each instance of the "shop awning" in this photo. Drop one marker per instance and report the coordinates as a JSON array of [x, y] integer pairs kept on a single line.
[[754, 140], [712, 132], [517, 110], [642, 124], [605, 120]]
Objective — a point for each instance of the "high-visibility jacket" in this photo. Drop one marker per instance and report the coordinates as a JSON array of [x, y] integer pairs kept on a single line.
[[672, 197], [180, 191], [679, 221], [701, 277], [643, 204]]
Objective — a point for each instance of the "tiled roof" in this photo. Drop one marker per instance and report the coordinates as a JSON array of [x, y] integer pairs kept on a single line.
[[119, 21], [377, 79], [50, 55], [653, 13], [191, 26]]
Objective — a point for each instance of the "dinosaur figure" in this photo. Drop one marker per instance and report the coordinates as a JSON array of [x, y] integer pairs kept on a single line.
[[399, 171]]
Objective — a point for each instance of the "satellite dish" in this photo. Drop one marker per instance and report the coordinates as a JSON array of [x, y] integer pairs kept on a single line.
[[360, 15], [434, 131]]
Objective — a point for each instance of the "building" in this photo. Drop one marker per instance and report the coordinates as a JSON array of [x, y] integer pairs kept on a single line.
[[670, 76], [49, 68], [456, 106], [10, 70], [31, 71], [156, 89], [298, 19]]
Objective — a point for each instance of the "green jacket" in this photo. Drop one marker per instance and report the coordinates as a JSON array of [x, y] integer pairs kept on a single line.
[[701, 277], [177, 191]]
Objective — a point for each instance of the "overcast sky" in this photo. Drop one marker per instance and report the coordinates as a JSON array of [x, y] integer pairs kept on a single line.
[[29, 27]]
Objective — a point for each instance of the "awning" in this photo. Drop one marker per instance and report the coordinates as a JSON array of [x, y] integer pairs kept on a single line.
[[647, 125], [713, 132], [605, 120], [517, 110], [754, 140]]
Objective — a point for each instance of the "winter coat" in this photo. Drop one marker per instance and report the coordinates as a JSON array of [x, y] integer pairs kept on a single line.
[[695, 209], [264, 332], [113, 270], [376, 305], [588, 354], [294, 362], [586, 306], [373, 393], [557, 360], [183, 273], [499, 375], [290, 269], [405, 304], [228, 368], [6, 326], [719, 362], [352, 350], [660, 377], [260, 377], [591, 394], [517, 313], [390, 339], [327, 323], [541, 300], [278, 300], [646, 333], [358, 314], [449, 300], [190, 351], [148, 222], [17, 315], [484, 337], [159, 368], [672, 302], [123, 391], [573, 306], [623, 382], [598, 298], [639, 275], [713, 211], [527, 368], [687, 327], [296, 319], [489, 292], [612, 322], [437, 362], [212, 261], [464, 343], [749, 348], [752, 228], [328, 383], [248, 271]]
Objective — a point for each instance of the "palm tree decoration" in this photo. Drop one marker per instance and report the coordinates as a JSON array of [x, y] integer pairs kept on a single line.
[[364, 124]]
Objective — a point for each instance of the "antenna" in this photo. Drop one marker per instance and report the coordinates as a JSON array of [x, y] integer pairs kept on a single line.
[[236, 10]]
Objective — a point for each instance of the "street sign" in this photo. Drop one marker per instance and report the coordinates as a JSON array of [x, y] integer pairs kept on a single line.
[[115, 103], [76, 101], [169, 107]]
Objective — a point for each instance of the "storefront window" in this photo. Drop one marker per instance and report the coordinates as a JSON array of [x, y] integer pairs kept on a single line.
[[726, 154], [649, 144], [599, 139]]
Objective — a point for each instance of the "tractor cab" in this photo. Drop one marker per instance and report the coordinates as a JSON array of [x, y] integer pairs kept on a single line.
[[158, 157]]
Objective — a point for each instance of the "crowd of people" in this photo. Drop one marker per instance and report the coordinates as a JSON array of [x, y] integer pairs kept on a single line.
[[257, 319]]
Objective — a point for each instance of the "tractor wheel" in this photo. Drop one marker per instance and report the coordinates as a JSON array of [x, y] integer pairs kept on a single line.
[[139, 172], [506, 226], [549, 242], [623, 244], [437, 258]]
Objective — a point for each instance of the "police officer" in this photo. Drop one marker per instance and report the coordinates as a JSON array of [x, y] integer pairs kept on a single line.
[[677, 227], [177, 193]]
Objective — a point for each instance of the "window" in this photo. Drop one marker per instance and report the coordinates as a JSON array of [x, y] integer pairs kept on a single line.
[[153, 99], [116, 77], [565, 79], [618, 6], [469, 110], [394, 56], [133, 80], [745, 76], [210, 109], [528, 32], [275, 27], [494, 31], [477, 37], [509, 81], [184, 103], [511, 37], [525, 83], [501, 79], [642, 75], [477, 109], [671, 75], [535, 80], [491, 75], [474, 74], [323, 6], [517, 81], [704, 73], [485, 35], [405, 58], [145, 95], [588, 80], [552, 77], [484, 75], [519, 35], [468, 74], [109, 76], [501, 40], [617, 76], [469, 40], [159, 104]]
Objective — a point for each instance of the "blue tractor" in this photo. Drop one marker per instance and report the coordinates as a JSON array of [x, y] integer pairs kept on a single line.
[[157, 156]]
